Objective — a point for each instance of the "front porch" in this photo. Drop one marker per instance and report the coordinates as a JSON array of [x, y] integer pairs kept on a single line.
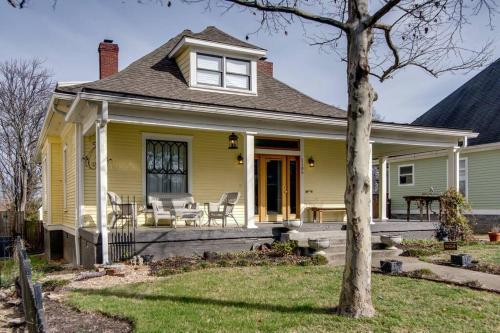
[[282, 167]]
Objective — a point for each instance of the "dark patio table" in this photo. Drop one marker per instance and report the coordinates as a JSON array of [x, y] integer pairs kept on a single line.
[[422, 200]]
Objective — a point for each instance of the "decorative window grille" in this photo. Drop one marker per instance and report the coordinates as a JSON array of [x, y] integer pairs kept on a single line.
[[166, 167]]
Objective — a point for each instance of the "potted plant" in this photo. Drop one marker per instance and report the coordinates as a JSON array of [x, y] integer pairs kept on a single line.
[[494, 234]]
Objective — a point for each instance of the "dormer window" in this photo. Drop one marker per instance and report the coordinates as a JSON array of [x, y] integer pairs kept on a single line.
[[224, 72], [237, 74], [209, 70]]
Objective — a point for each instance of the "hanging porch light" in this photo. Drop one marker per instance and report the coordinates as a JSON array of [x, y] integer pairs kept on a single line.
[[233, 141]]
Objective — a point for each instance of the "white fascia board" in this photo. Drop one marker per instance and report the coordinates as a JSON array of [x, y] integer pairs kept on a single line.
[[418, 156], [189, 41], [483, 147], [261, 114]]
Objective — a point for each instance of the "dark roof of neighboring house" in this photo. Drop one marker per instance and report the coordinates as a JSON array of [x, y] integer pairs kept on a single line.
[[475, 105], [157, 76]]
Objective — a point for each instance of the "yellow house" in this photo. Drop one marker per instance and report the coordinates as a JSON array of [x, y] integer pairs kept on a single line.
[[202, 114]]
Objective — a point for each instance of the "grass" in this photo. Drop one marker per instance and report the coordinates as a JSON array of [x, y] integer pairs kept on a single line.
[[289, 299], [483, 252], [40, 266]]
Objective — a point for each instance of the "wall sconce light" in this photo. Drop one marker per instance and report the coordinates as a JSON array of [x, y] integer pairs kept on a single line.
[[240, 159], [311, 162], [233, 141]]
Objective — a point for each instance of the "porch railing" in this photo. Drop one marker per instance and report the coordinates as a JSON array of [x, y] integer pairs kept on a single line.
[[121, 242]]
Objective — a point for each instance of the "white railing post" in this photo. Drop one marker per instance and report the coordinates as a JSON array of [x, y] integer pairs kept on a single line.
[[453, 168], [102, 180], [382, 188], [248, 151]]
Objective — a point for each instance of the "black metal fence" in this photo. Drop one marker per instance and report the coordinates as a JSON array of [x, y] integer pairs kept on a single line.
[[121, 241], [12, 225], [31, 293]]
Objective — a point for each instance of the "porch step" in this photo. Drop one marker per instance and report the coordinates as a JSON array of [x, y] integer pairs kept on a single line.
[[336, 258], [337, 238]]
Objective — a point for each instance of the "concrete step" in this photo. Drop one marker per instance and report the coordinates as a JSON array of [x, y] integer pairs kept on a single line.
[[338, 258]]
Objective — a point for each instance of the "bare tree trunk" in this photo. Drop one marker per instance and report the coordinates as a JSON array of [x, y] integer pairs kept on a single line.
[[355, 298]]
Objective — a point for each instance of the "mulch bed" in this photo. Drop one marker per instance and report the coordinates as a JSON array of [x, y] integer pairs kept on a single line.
[[62, 318], [277, 254]]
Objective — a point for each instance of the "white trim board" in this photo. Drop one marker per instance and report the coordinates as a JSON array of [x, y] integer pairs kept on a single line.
[[166, 137], [272, 115], [63, 227]]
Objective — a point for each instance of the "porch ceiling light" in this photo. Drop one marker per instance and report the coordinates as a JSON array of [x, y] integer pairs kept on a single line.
[[240, 159], [233, 141], [311, 162]]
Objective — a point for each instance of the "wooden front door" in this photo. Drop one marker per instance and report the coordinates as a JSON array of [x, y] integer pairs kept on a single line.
[[277, 187]]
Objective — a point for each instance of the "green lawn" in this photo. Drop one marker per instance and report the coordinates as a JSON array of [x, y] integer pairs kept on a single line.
[[484, 252], [289, 299]]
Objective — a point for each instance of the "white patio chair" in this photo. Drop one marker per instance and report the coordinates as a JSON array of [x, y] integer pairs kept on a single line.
[[224, 208], [174, 206], [121, 211]]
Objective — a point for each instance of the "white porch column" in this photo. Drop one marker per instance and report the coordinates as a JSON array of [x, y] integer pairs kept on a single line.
[[78, 189], [370, 168], [102, 180], [453, 168], [382, 188], [248, 152]]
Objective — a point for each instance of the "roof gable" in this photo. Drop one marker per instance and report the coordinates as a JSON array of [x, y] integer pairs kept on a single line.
[[475, 105]]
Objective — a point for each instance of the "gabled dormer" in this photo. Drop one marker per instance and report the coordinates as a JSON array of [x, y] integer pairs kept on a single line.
[[226, 65]]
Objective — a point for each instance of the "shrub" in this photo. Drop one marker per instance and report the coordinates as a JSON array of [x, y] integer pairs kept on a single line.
[[420, 252], [319, 260], [285, 248], [453, 222]]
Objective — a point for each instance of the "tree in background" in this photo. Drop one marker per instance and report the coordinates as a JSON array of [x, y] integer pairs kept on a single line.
[[25, 88]]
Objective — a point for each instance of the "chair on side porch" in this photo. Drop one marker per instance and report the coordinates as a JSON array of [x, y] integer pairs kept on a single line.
[[121, 211], [224, 208]]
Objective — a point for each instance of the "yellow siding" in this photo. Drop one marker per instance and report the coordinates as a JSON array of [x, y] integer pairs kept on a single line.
[[214, 167], [56, 193], [183, 63], [324, 184], [68, 141]]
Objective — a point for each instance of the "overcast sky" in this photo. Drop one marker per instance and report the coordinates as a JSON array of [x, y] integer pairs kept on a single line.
[[67, 37]]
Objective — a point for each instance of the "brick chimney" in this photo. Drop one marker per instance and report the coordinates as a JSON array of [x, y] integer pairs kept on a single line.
[[108, 58], [265, 66]]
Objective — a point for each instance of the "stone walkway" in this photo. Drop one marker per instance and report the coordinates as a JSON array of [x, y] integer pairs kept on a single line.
[[453, 274]]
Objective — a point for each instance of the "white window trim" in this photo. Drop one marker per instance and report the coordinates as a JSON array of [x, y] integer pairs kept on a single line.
[[65, 177], [194, 70], [466, 175], [412, 174], [166, 137]]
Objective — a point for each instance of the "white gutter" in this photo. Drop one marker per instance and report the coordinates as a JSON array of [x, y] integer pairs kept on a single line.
[[267, 115]]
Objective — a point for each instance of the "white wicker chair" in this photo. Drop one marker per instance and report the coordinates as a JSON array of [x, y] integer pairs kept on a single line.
[[121, 211], [224, 208]]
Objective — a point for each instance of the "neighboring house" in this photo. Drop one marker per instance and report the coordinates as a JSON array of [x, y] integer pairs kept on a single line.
[[475, 105], [163, 124]]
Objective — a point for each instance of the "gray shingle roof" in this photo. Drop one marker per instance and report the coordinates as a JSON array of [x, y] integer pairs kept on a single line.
[[157, 76], [475, 105]]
